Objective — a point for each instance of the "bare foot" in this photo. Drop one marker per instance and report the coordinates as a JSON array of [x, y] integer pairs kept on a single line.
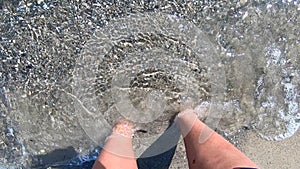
[[124, 128]]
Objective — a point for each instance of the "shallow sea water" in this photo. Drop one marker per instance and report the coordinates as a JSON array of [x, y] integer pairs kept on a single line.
[[68, 68]]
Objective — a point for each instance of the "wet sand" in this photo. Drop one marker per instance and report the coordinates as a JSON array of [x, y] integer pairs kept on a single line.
[[283, 154]]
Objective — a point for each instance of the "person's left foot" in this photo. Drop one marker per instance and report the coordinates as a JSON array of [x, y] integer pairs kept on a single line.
[[124, 128]]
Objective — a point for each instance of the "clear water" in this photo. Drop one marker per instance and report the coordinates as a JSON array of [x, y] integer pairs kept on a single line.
[[67, 69]]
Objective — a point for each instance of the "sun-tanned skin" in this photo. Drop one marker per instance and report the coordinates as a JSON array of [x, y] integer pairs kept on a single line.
[[205, 148], [214, 152], [118, 152]]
